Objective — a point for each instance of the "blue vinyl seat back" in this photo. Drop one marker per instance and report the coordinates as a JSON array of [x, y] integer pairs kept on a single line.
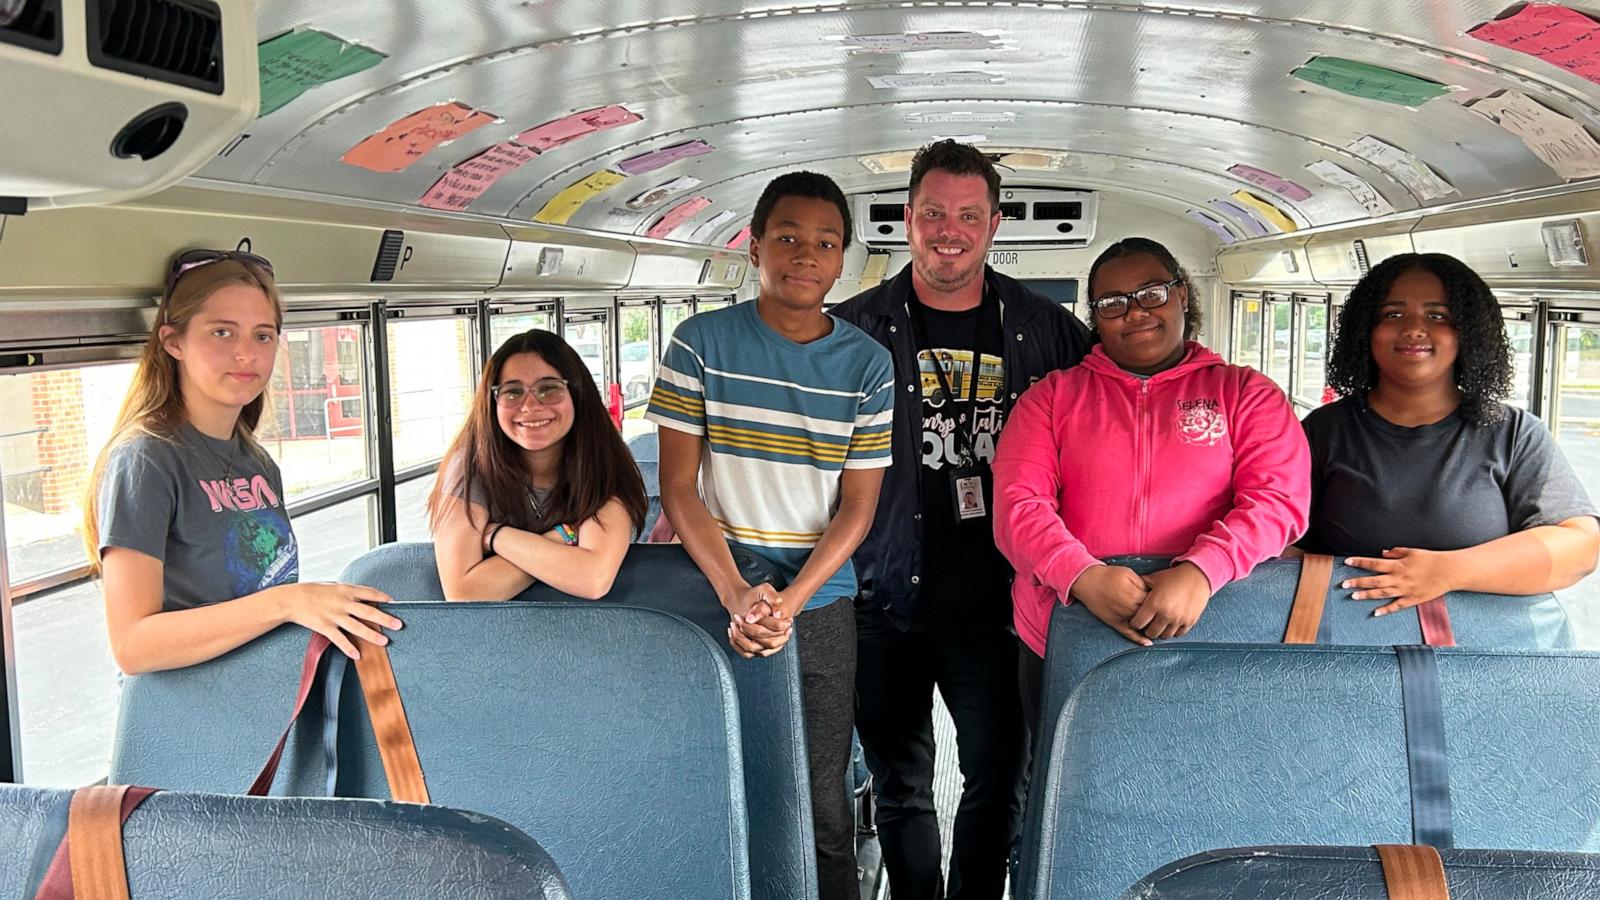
[[1255, 609], [1354, 873], [646, 450], [1171, 751], [203, 845], [610, 732], [210, 727], [772, 724]]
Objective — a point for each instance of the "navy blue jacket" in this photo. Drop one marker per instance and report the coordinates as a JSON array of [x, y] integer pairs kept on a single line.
[[1039, 337]]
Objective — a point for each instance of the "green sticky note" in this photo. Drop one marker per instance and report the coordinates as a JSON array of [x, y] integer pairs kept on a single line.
[[294, 63], [1371, 82]]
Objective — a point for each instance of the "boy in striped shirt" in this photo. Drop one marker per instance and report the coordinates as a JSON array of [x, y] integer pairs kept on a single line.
[[775, 431]]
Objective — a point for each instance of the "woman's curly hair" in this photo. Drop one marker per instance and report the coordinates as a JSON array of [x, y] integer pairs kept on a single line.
[[1137, 246], [1483, 370]]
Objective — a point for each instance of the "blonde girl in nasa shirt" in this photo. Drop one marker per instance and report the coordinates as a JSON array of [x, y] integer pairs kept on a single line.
[[184, 518]]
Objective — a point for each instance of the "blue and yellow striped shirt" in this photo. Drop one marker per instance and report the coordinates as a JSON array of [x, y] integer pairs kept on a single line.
[[781, 421]]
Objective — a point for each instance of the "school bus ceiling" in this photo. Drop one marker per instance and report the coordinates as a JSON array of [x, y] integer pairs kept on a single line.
[[1200, 87]]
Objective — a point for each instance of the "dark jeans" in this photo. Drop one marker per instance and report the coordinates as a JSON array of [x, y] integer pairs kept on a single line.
[[1030, 681], [827, 644], [976, 675]]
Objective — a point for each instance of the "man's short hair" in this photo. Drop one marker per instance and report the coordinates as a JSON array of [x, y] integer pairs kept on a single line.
[[955, 159], [799, 184]]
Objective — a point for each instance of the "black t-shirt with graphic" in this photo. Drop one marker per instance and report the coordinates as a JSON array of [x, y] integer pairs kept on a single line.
[[965, 581]]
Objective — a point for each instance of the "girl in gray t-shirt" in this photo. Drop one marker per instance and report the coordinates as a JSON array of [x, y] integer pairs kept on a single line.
[[184, 519]]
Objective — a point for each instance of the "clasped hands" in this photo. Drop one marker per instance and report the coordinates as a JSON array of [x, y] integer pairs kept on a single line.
[[758, 623], [1143, 608]]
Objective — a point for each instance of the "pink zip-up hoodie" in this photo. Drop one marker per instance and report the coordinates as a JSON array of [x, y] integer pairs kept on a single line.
[[1205, 462]]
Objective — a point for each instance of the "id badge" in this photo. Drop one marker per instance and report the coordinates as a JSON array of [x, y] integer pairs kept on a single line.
[[966, 492]]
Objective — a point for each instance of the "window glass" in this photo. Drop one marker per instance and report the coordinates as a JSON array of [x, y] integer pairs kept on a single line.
[[1247, 316], [432, 371], [330, 538], [590, 336], [1062, 290], [1520, 334], [1311, 362], [411, 508], [508, 324], [636, 364], [1576, 413], [712, 303], [66, 686], [673, 315], [316, 427], [1281, 314], [52, 428]]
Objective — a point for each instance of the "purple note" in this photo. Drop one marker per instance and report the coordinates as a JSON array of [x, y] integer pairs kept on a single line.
[[1246, 218], [1283, 187], [1212, 225], [655, 159]]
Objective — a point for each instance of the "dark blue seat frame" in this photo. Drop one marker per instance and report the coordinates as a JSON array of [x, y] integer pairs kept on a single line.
[[201, 845]]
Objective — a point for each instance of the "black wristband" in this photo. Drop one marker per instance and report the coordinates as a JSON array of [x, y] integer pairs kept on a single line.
[[494, 534]]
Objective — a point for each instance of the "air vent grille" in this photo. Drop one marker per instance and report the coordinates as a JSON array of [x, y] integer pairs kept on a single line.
[[886, 212], [388, 255], [1052, 211], [1358, 250], [1013, 212], [37, 27], [175, 41]]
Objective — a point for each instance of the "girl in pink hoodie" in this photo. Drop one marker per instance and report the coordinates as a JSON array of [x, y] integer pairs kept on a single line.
[[1152, 445]]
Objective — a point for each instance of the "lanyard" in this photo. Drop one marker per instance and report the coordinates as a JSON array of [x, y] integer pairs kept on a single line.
[[964, 440]]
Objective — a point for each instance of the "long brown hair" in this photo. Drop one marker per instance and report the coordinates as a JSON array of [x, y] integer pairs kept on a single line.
[[595, 464], [154, 403]]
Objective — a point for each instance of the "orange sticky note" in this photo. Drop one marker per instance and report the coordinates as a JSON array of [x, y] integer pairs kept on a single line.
[[407, 140], [1558, 35], [569, 128], [676, 216]]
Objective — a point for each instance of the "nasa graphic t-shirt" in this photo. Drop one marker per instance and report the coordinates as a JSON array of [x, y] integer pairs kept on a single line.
[[964, 578], [210, 510]]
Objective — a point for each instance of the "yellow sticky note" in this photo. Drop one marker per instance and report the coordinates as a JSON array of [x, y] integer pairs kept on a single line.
[[562, 206], [1273, 214]]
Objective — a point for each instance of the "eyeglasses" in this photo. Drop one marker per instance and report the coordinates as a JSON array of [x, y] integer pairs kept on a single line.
[[548, 391], [1115, 306], [190, 260]]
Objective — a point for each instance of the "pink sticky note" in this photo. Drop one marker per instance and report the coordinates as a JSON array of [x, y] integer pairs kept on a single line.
[[569, 128], [404, 141], [655, 159], [676, 216], [740, 238], [1558, 35], [1283, 187], [467, 181]]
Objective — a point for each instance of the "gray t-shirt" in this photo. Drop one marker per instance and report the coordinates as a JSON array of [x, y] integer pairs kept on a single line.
[[1445, 486], [210, 510]]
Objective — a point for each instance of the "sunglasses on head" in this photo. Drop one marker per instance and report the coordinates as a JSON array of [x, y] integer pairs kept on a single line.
[[190, 260]]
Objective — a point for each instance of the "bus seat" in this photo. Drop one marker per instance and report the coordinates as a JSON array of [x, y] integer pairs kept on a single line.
[[1255, 609], [610, 733], [203, 845], [1174, 750], [1354, 873], [651, 472], [645, 447], [772, 732], [209, 727]]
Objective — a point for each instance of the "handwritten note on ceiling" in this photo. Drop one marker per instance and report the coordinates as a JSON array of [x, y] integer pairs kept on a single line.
[[407, 140], [1359, 188], [1402, 166], [1560, 142], [466, 181], [562, 206], [1551, 32], [1359, 79], [569, 128], [293, 63]]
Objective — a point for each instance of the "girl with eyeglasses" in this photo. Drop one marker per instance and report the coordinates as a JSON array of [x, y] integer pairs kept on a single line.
[[1421, 470], [1154, 446], [538, 485], [184, 518]]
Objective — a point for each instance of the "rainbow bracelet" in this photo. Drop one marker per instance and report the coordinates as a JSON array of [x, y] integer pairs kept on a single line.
[[568, 534]]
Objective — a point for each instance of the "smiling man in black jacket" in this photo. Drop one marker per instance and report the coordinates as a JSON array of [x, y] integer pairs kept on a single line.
[[935, 607]]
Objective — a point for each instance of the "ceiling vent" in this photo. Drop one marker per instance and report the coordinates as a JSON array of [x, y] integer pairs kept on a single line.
[[389, 248], [36, 25], [137, 93], [1038, 216], [175, 41]]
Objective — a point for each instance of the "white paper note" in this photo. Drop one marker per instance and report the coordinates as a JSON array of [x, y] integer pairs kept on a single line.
[[1404, 167], [1365, 194], [1563, 144], [933, 79]]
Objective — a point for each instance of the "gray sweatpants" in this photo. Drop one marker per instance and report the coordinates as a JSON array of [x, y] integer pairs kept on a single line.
[[827, 645]]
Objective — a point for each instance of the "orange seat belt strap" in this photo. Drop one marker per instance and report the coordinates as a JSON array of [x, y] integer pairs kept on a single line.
[[1413, 872], [1310, 595], [390, 727], [88, 863]]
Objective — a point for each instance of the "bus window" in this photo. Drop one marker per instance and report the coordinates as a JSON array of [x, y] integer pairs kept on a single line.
[[508, 324], [411, 508], [432, 370], [1575, 412], [1311, 355], [1062, 290], [636, 365], [1247, 315], [672, 315], [589, 333], [329, 538], [55, 424], [703, 305], [1281, 314], [318, 428], [1519, 332]]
